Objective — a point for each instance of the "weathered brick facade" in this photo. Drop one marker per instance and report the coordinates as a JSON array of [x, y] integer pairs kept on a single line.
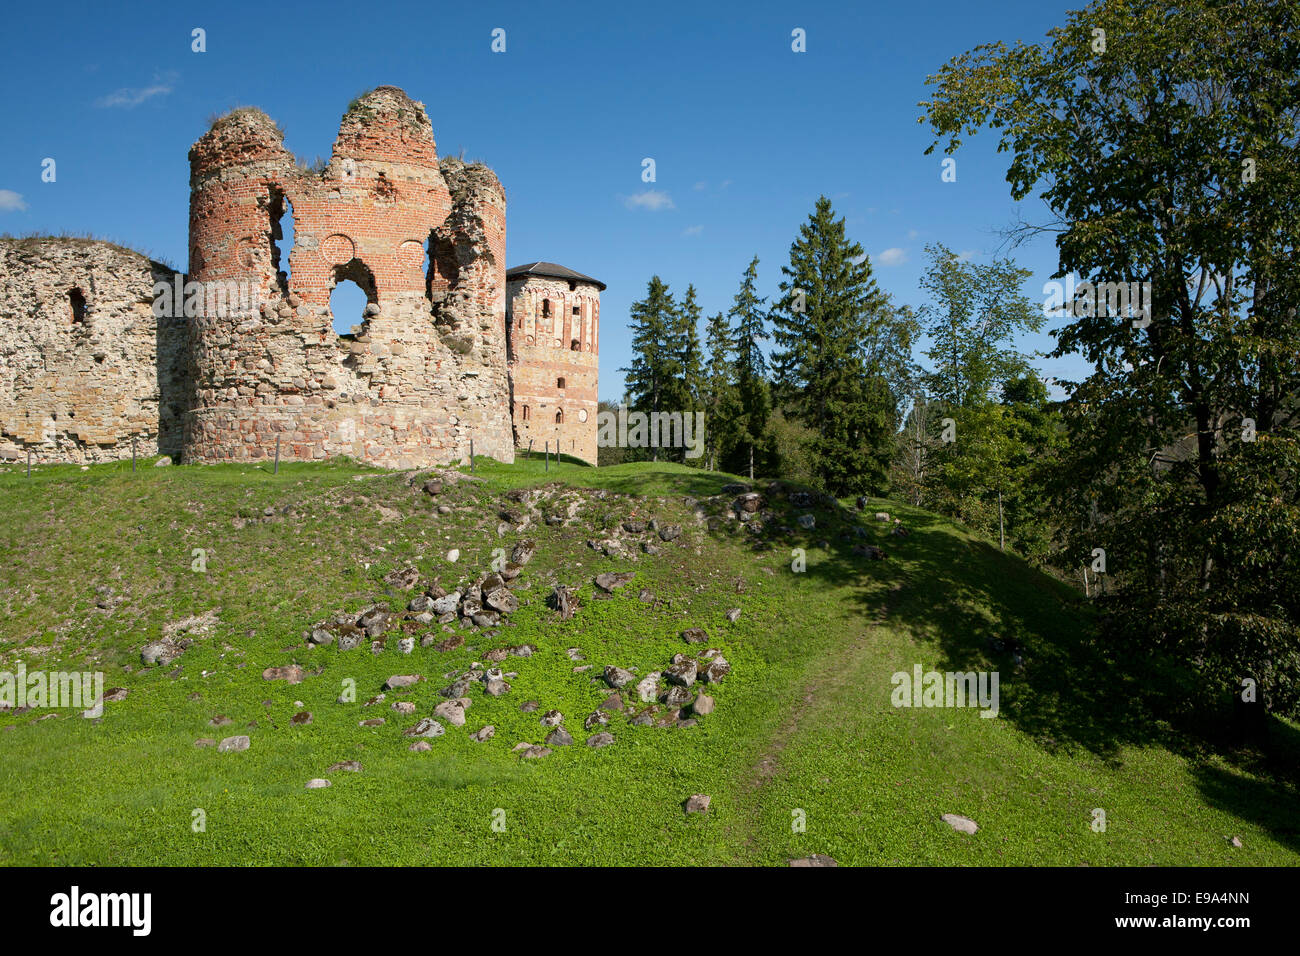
[[426, 372], [84, 365], [554, 358]]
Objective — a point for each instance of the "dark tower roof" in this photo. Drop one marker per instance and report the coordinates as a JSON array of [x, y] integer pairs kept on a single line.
[[551, 271]]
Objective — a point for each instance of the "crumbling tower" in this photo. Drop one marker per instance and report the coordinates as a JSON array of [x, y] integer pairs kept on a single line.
[[553, 317], [425, 371]]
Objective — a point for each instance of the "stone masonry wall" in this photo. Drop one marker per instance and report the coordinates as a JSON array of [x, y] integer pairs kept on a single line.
[[427, 369], [84, 365], [547, 346]]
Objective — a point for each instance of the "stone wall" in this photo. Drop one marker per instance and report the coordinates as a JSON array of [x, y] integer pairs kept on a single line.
[[425, 371], [84, 364], [551, 343]]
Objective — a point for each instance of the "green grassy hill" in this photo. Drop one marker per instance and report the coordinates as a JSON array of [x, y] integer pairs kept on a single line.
[[803, 753]]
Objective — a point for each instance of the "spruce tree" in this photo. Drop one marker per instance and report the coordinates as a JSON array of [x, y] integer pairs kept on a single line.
[[836, 338], [720, 403], [749, 328], [649, 377]]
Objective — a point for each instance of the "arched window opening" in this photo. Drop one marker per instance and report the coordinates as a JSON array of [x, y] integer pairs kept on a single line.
[[559, 383], [526, 414], [575, 346], [281, 235], [77, 304], [559, 417], [351, 298]]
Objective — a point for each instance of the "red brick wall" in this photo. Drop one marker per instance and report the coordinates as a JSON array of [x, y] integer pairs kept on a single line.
[[541, 354], [428, 370]]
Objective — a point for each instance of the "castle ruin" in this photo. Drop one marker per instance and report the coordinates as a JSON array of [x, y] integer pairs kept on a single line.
[[243, 354]]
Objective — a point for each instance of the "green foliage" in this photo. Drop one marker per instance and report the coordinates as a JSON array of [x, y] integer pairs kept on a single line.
[[1184, 177], [842, 355], [752, 452]]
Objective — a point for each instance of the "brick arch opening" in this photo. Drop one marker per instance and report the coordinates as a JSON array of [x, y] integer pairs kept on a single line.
[[281, 233], [351, 295], [443, 266]]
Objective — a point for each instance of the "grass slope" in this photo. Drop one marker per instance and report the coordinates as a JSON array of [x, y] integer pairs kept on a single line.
[[803, 729]]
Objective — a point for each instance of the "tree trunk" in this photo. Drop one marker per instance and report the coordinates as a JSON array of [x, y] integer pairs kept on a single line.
[[751, 462]]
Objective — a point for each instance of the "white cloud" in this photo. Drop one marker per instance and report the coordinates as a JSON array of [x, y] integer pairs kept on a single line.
[[132, 96], [651, 199], [692, 230], [11, 201], [913, 234], [966, 255], [700, 185], [892, 257]]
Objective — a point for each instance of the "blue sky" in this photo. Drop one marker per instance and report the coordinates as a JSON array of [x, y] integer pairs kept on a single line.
[[745, 133]]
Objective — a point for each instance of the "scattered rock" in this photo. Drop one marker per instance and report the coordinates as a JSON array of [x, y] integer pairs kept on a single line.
[[882, 516], [291, 673], [496, 687], [528, 706], [420, 746], [683, 673], [552, 718], [301, 719], [351, 766], [523, 552], [733, 615], [695, 635], [534, 752], [402, 680], [428, 727], [317, 784], [611, 581], [452, 711], [559, 737], [715, 670], [698, 803], [807, 522], [677, 696], [703, 705], [596, 719], [453, 555], [372, 722], [817, 859], [233, 744], [670, 532], [483, 733], [159, 652], [205, 742], [957, 821], [564, 601], [404, 579], [602, 739], [647, 689], [617, 677]]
